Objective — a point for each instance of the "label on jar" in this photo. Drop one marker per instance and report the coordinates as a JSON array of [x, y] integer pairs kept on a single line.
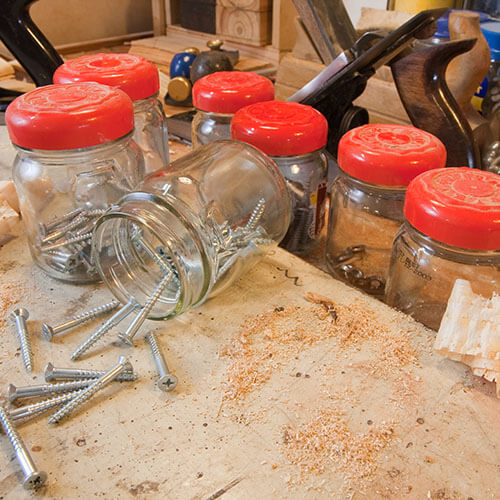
[[412, 266]]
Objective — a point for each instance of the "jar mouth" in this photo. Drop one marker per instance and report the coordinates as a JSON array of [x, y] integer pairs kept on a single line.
[[136, 245]]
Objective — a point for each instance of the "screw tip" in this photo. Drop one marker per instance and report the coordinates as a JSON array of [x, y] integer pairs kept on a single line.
[[47, 331], [34, 480], [168, 382], [20, 312]]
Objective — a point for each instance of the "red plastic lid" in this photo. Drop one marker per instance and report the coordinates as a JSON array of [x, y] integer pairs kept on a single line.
[[69, 116], [389, 155], [456, 206], [280, 128], [135, 75], [227, 91]]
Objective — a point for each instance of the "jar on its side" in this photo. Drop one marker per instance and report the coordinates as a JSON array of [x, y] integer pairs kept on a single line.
[[294, 136], [75, 157], [218, 96], [452, 232], [202, 223], [139, 79], [366, 202]]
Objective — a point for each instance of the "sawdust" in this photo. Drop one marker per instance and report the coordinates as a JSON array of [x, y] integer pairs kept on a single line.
[[321, 438], [10, 294]]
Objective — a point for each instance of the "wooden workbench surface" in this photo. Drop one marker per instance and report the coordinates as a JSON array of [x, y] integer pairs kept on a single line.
[[398, 420]]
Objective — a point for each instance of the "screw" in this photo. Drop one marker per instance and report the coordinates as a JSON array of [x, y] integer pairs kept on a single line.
[[77, 222], [167, 381], [119, 316], [122, 365], [30, 411], [32, 391], [52, 224], [255, 216], [50, 331], [53, 373], [32, 477], [67, 241], [19, 316], [143, 313]]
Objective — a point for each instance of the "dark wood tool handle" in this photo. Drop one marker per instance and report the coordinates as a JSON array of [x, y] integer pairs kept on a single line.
[[420, 80]]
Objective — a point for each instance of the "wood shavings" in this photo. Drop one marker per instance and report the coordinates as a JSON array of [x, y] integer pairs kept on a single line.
[[10, 294], [325, 441]]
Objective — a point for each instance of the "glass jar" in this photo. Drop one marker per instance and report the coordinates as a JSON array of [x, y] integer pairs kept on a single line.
[[376, 163], [190, 230], [452, 231], [218, 96], [294, 136], [139, 79], [75, 157]]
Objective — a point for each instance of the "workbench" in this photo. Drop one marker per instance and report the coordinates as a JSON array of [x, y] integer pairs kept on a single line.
[[398, 420]]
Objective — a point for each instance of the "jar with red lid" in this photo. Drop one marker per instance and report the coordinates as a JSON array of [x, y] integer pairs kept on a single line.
[[376, 162], [294, 136], [452, 231], [75, 157], [139, 79], [218, 96]]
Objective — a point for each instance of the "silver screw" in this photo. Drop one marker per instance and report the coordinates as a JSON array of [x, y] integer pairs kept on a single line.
[[167, 381], [143, 313], [52, 373], [32, 477], [52, 224], [67, 241], [30, 411], [19, 316], [32, 391], [119, 316], [50, 331], [77, 222], [122, 365], [256, 215]]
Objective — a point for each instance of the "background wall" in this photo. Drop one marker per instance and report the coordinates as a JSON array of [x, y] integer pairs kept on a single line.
[[71, 21]]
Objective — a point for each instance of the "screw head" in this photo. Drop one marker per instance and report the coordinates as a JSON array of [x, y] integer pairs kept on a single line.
[[11, 392], [20, 312], [167, 383], [34, 480], [125, 339], [49, 370], [47, 331]]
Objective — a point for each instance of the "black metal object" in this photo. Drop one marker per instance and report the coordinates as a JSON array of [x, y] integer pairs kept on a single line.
[[26, 42], [333, 91]]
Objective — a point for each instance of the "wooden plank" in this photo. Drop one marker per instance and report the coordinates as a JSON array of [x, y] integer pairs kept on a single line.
[[172, 12], [257, 5], [283, 29], [159, 17], [246, 26]]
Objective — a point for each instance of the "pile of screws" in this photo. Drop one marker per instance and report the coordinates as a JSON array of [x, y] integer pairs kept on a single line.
[[66, 389], [65, 242]]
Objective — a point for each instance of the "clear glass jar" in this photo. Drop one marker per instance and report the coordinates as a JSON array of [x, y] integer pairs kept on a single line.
[[209, 127], [139, 79], [306, 177], [75, 157], [376, 164], [204, 221], [294, 136], [75, 187], [218, 96], [452, 231], [363, 221], [150, 132]]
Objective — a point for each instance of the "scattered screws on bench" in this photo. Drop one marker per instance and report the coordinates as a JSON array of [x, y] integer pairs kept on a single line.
[[52, 373], [19, 317], [32, 391], [167, 381], [33, 478], [122, 365]]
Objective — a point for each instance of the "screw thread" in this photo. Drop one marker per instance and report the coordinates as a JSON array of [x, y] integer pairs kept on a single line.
[[72, 374], [40, 390], [67, 241], [24, 340], [63, 218], [121, 314], [81, 318], [143, 313], [68, 227], [11, 431], [256, 215], [29, 411], [159, 358], [87, 393]]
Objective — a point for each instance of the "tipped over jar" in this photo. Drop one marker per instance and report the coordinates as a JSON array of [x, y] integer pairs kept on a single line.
[[191, 230]]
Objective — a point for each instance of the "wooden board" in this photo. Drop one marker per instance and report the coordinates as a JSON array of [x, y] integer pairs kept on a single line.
[[241, 25], [133, 441]]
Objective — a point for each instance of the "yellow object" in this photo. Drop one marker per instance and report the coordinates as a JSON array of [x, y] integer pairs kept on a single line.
[[414, 7]]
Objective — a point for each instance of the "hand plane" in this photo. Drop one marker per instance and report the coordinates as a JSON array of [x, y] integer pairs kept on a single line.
[[333, 91]]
